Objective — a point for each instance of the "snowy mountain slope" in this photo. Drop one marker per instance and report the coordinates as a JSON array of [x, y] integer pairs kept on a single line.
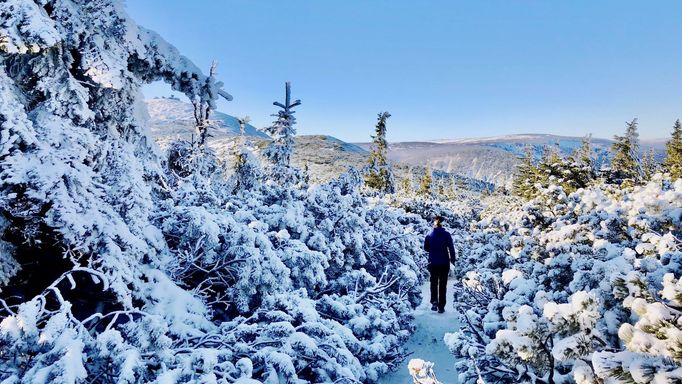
[[494, 159], [327, 156], [485, 163], [170, 118]]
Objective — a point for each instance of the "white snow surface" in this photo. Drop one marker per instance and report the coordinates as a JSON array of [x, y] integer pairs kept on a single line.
[[427, 343]]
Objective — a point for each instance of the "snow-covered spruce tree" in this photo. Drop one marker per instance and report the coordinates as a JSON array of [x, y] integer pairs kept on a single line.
[[550, 169], [673, 153], [582, 164], [523, 183], [652, 343], [443, 187], [406, 186], [649, 164], [426, 183], [203, 107], [306, 173], [571, 173], [625, 164], [247, 170], [282, 131], [379, 174], [583, 155]]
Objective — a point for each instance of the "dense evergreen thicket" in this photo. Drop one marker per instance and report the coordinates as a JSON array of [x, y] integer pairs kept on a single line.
[[628, 167], [121, 263], [576, 279]]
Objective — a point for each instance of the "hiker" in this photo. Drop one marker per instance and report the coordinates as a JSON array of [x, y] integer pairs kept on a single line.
[[438, 244]]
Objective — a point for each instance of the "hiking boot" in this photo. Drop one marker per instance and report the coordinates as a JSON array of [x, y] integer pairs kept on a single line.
[[434, 307], [441, 310]]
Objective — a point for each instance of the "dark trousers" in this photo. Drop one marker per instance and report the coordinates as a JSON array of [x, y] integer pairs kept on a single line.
[[439, 284]]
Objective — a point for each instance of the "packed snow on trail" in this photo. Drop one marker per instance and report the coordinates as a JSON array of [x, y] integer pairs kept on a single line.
[[427, 342]]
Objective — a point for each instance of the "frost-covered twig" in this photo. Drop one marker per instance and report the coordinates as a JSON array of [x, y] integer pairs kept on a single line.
[[97, 318], [6, 307], [377, 289]]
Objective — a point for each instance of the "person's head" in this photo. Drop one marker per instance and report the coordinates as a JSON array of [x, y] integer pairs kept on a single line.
[[438, 221]]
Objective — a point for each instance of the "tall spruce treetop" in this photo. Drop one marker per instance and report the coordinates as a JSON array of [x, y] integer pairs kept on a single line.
[[649, 164], [673, 153], [626, 163], [583, 156], [246, 167], [523, 184], [426, 183], [379, 174], [282, 131], [203, 107], [580, 164]]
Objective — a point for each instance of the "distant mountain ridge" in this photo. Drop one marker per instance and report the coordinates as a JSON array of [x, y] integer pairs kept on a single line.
[[546, 139], [172, 117], [494, 159], [489, 159], [326, 157]]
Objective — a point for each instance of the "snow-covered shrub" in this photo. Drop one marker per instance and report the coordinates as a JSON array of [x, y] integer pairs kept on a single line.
[[553, 289], [351, 264]]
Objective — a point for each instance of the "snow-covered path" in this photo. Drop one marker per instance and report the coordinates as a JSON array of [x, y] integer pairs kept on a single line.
[[427, 341]]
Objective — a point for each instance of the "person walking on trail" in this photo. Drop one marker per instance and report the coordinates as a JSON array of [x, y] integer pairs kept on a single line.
[[438, 244]]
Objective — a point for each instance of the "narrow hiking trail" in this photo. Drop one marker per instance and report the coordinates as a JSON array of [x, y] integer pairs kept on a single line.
[[427, 341]]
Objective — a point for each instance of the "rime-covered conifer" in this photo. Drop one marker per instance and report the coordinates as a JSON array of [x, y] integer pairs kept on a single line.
[[379, 174], [626, 164], [282, 131], [580, 287], [426, 183], [525, 177], [246, 168], [649, 164], [673, 153], [406, 184]]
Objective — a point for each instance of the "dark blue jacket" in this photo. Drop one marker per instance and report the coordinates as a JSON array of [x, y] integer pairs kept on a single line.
[[438, 244]]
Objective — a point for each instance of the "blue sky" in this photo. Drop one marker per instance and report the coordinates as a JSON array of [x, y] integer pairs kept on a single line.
[[443, 69]]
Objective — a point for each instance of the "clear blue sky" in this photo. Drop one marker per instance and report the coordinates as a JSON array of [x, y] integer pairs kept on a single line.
[[444, 69]]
